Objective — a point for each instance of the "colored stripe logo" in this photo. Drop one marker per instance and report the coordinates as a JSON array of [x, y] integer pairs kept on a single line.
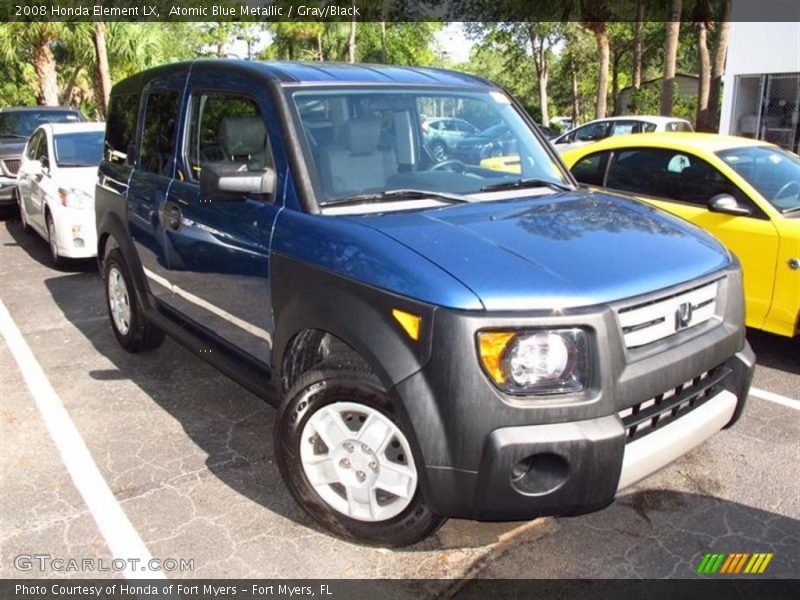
[[734, 563]]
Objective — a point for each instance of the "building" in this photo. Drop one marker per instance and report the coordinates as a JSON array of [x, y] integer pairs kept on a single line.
[[761, 85], [686, 88]]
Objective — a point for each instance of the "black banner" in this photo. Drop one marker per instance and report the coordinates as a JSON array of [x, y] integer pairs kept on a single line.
[[393, 10], [718, 588]]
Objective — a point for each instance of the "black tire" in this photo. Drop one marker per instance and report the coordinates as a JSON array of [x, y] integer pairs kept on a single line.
[[318, 388], [55, 258], [25, 227], [439, 151], [142, 335]]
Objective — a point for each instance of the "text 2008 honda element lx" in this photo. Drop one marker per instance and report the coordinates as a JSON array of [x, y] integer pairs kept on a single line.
[[465, 334]]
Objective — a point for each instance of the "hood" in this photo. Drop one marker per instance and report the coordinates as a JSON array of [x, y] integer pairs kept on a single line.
[[556, 251], [11, 147], [82, 178]]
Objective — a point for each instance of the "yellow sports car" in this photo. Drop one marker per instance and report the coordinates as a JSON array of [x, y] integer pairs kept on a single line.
[[743, 191]]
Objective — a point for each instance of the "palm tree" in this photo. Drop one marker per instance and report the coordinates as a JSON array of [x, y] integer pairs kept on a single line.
[[598, 29], [33, 42], [670, 56]]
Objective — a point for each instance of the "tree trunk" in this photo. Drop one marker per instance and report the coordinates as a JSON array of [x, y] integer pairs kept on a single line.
[[637, 46], [102, 86], [540, 62], [221, 48], [601, 38], [66, 95], [576, 98], [617, 109], [320, 51], [704, 79], [670, 56], [711, 123], [45, 65], [351, 45], [383, 42]]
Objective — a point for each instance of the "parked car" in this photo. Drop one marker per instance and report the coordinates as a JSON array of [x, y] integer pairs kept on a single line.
[[495, 141], [55, 187], [745, 192], [16, 125], [440, 339], [600, 129], [441, 134]]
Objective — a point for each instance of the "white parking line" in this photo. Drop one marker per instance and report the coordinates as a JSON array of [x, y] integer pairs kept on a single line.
[[122, 539], [776, 398]]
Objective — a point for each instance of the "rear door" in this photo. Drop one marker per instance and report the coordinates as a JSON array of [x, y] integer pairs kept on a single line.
[[215, 262], [154, 172]]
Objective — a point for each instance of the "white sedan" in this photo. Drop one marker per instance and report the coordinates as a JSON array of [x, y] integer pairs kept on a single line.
[[55, 187], [600, 129]]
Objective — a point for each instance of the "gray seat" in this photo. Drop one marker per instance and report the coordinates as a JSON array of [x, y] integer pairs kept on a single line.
[[244, 141], [356, 163]]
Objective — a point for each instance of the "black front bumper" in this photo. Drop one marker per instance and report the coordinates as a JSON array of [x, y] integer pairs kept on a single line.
[[493, 456]]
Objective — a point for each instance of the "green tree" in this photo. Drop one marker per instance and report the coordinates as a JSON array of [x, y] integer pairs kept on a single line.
[[34, 42]]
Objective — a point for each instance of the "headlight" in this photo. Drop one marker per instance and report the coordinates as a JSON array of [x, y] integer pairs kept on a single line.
[[535, 361], [75, 198]]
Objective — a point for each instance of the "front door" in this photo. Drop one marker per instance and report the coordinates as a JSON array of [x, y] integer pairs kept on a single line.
[[215, 270]]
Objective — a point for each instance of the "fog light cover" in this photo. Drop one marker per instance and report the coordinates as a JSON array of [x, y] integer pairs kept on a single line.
[[536, 362]]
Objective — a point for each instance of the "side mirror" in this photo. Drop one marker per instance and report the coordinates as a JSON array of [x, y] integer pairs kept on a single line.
[[727, 204], [232, 186]]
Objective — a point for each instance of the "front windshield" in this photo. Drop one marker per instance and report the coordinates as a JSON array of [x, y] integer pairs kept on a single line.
[[22, 123], [773, 172], [83, 149], [362, 142]]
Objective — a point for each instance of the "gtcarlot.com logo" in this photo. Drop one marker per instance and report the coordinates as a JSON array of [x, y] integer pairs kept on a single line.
[[734, 563], [48, 562]]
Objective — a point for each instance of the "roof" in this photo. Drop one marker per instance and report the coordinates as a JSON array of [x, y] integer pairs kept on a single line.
[[705, 142], [59, 128], [289, 72], [38, 109]]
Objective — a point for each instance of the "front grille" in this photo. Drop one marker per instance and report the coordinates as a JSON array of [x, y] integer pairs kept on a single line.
[[657, 319], [651, 415], [12, 166]]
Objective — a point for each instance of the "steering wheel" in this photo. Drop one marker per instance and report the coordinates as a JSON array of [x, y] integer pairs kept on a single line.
[[449, 162], [785, 187]]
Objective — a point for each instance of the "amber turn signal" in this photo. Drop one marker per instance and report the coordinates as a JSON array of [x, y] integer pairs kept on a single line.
[[491, 345], [411, 323]]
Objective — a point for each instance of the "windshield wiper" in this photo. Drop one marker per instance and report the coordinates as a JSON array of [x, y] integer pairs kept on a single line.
[[14, 135], [406, 194], [527, 183], [789, 211]]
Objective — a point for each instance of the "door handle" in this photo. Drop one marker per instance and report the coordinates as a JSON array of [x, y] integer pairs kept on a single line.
[[172, 216]]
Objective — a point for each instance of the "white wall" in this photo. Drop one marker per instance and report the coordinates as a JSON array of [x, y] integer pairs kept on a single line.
[[754, 49]]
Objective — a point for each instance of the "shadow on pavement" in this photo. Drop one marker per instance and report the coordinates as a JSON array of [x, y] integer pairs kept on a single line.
[[775, 351], [649, 534], [233, 427], [36, 246]]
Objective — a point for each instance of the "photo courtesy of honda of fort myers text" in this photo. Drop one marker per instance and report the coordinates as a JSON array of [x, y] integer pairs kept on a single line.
[[370, 299]]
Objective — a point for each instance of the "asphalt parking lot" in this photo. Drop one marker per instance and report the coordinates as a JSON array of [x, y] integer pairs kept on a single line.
[[187, 456]]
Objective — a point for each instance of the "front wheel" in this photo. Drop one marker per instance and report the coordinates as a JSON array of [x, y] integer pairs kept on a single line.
[[131, 327], [52, 239], [347, 461]]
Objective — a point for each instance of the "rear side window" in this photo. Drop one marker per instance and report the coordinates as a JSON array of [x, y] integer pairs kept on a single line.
[[158, 137], [227, 131], [591, 169], [121, 128]]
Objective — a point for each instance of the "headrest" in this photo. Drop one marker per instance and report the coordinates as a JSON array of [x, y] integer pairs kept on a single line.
[[361, 136], [242, 136]]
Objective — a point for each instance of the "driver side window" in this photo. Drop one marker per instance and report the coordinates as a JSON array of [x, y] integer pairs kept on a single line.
[[41, 151]]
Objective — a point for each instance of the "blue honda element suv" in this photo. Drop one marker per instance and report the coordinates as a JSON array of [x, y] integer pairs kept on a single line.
[[473, 338]]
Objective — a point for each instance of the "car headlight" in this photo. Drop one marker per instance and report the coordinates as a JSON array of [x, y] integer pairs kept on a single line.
[[544, 361], [75, 198]]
